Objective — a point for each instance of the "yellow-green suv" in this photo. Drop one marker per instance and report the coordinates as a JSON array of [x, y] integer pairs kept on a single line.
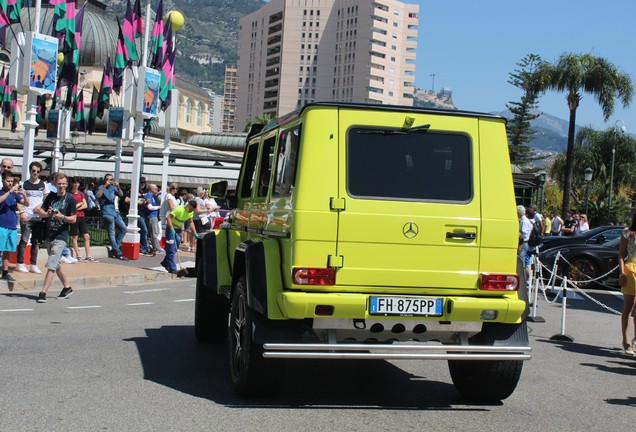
[[365, 232]]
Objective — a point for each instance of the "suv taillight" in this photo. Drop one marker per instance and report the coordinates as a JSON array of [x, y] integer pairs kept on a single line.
[[314, 276], [499, 282]]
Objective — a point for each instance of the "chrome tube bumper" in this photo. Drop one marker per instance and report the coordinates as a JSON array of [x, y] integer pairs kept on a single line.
[[396, 351]]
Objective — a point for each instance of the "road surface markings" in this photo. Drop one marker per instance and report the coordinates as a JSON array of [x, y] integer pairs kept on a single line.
[[183, 300], [84, 307], [16, 310], [148, 290], [139, 304]]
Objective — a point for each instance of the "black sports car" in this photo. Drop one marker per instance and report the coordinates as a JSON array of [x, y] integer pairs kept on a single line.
[[598, 235], [584, 262]]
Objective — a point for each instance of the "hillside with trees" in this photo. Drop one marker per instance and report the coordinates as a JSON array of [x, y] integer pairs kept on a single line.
[[209, 39]]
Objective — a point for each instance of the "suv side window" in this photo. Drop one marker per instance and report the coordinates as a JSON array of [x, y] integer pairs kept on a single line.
[[286, 162], [267, 159], [427, 166], [249, 169]]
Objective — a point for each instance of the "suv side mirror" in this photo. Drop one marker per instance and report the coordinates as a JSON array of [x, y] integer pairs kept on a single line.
[[218, 189]]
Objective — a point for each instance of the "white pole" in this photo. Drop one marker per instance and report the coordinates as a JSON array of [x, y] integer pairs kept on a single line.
[[132, 235], [30, 122], [117, 172], [38, 8], [61, 121], [29, 132], [564, 303]]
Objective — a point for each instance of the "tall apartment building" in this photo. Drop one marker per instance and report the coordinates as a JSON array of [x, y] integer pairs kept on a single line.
[[296, 51], [215, 119], [228, 123]]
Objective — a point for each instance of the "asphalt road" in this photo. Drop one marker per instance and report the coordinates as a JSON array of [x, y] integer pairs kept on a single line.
[[125, 359]]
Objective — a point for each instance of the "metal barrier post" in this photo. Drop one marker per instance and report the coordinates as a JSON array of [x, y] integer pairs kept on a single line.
[[564, 301], [533, 317]]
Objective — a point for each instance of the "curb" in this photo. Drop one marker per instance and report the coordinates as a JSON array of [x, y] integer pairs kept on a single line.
[[114, 274], [148, 276]]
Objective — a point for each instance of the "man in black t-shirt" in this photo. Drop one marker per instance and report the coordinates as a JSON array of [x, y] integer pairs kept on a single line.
[[58, 209], [569, 225]]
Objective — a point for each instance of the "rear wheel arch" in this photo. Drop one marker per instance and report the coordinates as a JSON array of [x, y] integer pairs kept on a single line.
[[259, 263]]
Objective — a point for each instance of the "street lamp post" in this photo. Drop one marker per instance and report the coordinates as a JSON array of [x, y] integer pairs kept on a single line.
[[588, 178], [542, 178], [611, 185]]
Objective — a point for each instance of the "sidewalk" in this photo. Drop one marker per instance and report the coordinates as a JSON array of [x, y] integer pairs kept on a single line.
[[106, 272]]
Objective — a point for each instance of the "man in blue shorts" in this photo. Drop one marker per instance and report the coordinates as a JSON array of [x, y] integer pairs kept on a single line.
[[10, 196]]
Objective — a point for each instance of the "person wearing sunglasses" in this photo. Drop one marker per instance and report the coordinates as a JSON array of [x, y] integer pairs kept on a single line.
[[10, 195], [33, 229]]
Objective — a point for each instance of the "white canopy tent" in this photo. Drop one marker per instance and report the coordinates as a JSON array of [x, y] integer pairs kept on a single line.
[[189, 165], [182, 172]]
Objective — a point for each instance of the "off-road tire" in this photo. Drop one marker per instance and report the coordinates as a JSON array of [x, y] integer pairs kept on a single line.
[[485, 380], [210, 313], [252, 375]]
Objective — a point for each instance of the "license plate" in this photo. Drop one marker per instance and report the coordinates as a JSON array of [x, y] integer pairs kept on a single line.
[[406, 306]]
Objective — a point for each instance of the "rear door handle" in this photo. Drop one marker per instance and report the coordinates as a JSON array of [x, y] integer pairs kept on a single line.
[[464, 235]]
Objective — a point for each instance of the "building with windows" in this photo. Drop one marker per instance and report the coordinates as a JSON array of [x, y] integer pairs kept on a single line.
[[215, 118], [292, 52], [230, 83]]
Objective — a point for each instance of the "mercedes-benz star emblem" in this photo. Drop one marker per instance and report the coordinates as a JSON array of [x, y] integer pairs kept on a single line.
[[410, 230]]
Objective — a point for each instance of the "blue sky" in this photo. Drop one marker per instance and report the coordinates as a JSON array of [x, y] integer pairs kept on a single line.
[[472, 46]]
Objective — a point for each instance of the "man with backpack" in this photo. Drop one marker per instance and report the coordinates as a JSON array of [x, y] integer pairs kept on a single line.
[[535, 237], [536, 234], [525, 228]]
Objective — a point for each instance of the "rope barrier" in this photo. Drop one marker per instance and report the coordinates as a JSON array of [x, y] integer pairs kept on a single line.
[[569, 284]]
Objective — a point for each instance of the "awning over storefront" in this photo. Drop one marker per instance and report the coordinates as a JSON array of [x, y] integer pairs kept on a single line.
[[182, 172]]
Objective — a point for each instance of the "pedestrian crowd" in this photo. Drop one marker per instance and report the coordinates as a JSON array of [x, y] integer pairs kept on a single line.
[[53, 211], [531, 221]]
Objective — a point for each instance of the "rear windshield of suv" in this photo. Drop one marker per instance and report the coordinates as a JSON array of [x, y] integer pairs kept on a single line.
[[422, 166]]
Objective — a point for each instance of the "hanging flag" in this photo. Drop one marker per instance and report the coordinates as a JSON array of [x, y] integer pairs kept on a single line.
[[40, 109], [56, 97], [157, 46], [121, 61], [167, 79], [103, 100], [59, 15], [128, 31], [64, 23], [79, 116], [40, 116], [2, 84], [137, 20], [4, 19], [92, 112], [71, 96], [70, 66], [14, 111], [14, 7], [6, 98], [79, 25]]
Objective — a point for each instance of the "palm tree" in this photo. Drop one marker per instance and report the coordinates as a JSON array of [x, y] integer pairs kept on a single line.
[[260, 119], [575, 74]]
